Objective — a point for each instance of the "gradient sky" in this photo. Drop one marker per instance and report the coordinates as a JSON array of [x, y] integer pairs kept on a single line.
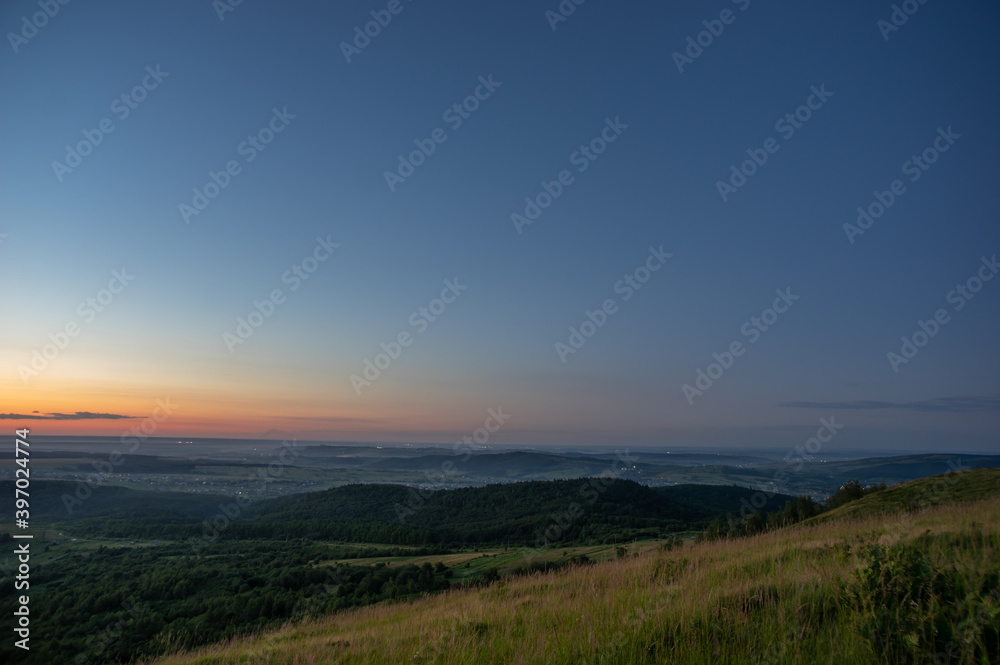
[[323, 176]]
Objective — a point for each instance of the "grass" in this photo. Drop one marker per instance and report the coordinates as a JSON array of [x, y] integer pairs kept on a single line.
[[473, 563], [950, 487], [867, 585]]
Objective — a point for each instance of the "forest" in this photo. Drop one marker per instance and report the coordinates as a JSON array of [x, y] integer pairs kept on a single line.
[[145, 573]]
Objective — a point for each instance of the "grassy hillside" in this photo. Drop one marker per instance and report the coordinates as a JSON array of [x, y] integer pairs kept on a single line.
[[867, 584], [917, 494]]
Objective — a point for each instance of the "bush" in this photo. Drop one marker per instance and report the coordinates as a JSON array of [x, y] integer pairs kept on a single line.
[[915, 614], [852, 491]]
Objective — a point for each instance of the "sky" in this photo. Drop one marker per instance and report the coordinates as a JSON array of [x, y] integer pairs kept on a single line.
[[627, 224]]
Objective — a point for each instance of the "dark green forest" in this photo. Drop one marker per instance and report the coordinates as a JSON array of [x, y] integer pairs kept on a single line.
[[181, 570], [115, 603], [605, 510]]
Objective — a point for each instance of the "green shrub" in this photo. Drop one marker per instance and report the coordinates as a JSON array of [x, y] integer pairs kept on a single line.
[[913, 613]]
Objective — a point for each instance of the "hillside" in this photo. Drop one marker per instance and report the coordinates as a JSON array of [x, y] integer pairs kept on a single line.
[[861, 586], [945, 488]]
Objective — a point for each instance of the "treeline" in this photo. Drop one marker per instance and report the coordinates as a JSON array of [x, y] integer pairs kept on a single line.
[[586, 511], [220, 527], [119, 603], [583, 511], [798, 509], [62, 501], [852, 491]]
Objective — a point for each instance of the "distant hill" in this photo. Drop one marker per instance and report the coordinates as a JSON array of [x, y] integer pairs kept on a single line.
[[518, 464], [893, 470], [582, 509], [585, 510], [61, 501]]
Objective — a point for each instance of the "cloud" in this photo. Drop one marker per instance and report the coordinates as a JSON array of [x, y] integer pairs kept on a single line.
[[938, 404], [79, 415]]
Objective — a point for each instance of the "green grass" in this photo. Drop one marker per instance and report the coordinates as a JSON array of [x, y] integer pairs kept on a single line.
[[868, 583], [473, 563], [950, 487]]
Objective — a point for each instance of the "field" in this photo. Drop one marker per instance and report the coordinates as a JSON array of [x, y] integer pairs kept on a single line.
[[473, 564]]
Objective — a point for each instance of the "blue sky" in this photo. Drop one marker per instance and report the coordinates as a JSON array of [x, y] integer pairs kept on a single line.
[[323, 176]]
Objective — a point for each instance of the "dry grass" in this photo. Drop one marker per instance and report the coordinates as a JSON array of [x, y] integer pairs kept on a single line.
[[774, 598]]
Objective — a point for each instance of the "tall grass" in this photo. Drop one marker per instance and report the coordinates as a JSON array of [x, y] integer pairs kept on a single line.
[[906, 587]]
